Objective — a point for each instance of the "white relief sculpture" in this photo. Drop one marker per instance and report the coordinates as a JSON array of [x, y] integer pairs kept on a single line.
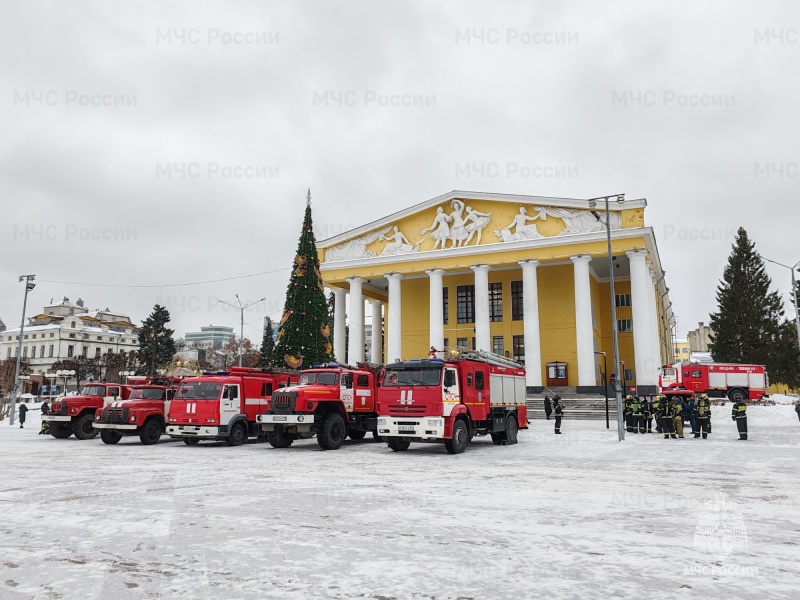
[[458, 230], [398, 244], [440, 228], [476, 223], [357, 248], [580, 221], [524, 231]]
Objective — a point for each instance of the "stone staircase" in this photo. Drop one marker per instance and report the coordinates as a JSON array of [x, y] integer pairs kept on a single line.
[[576, 406]]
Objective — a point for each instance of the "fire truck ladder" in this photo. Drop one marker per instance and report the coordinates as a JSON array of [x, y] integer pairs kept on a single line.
[[488, 357]]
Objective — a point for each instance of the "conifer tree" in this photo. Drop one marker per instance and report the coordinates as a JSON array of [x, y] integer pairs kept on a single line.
[[304, 331], [156, 345], [267, 344], [746, 325]]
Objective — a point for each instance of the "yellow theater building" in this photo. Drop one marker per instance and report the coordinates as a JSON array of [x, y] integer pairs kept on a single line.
[[522, 276]]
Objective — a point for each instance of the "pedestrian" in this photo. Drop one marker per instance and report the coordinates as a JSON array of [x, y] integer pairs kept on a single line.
[[677, 412], [548, 409], [559, 412], [797, 408], [656, 412], [45, 428], [739, 414], [23, 409], [628, 413], [665, 417], [701, 418]]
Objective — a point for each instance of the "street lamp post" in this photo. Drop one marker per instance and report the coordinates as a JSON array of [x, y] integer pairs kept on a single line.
[[241, 322], [126, 374], [605, 385], [620, 198], [50, 377], [66, 374], [29, 285], [794, 294]]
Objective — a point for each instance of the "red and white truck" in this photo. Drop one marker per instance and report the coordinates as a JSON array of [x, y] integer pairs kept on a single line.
[[737, 382], [223, 405], [144, 413], [451, 400], [330, 401], [75, 414]]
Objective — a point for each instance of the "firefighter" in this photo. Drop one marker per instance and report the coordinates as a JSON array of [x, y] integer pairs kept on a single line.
[[559, 412], [647, 417], [677, 412], [739, 414], [665, 416], [548, 407], [628, 413], [702, 416], [656, 410], [637, 418]]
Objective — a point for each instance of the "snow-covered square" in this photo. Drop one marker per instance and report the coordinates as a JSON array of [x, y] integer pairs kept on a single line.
[[579, 515]]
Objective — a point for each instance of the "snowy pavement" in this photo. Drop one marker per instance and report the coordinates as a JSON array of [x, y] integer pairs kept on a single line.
[[573, 516]]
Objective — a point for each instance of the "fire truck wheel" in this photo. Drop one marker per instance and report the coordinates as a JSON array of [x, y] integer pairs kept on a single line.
[[458, 443], [497, 438], [60, 431], [84, 429], [150, 433], [109, 437], [279, 438], [331, 431], [737, 395], [376, 437], [237, 436], [356, 435], [398, 444], [511, 430], [191, 441]]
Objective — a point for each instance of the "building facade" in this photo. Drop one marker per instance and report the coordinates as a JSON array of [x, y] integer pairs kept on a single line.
[[213, 336], [522, 276], [700, 338]]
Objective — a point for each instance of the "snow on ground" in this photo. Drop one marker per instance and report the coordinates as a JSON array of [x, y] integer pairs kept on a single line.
[[573, 516]]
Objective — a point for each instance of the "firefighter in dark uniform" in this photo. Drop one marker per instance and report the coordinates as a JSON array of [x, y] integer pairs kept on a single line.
[[647, 417], [665, 416], [638, 417], [702, 416], [739, 414], [628, 413], [656, 412], [558, 411], [677, 412]]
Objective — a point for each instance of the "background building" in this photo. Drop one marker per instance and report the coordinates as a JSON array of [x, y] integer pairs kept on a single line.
[[213, 336], [682, 351], [700, 338], [523, 276]]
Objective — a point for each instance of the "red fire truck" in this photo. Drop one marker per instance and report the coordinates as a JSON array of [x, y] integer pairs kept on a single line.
[[75, 414], [331, 401], [737, 382], [451, 400], [223, 405], [144, 414]]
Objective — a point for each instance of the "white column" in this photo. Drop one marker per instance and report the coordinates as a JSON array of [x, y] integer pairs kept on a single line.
[[377, 338], [583, 320], [339, 324], [483, 338], [355, 349], [436, 308], [655, 320], [394, 329], [530, 315], [641, 294]]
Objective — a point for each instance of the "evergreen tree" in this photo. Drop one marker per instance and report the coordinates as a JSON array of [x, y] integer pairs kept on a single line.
[[156, 345], [785, 364], [304, 332], [747, 323], [267, 345]]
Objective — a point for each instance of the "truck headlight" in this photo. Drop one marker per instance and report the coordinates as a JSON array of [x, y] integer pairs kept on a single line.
[[300, 419], [97, 417], [434, 422], [133, 418], [382, 422]]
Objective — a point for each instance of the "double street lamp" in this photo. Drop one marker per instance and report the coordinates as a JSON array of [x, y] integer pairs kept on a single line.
[[241, 331], [126, 374], [620, 198], [795, 293], [66, 374]]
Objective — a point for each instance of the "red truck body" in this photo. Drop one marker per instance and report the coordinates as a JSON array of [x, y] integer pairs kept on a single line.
[[144, 413], [223, 405], [330, 401], [452, 400], [75, 414], [737, 382]]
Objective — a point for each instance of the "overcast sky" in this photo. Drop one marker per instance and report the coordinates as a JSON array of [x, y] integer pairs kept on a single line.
[[149, 143]]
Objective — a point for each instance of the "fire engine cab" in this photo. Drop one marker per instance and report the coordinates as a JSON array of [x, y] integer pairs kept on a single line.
[[737, 382], [223, 405], [75, 414], [144, 414], [451, 400]]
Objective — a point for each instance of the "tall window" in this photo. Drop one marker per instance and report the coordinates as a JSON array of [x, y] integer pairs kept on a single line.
[[41, 351], [465, 303], [495, 301], [624, 325], [50, 351], [70, 351], [25, 352], [518, 348], [498, 347], [446, 342], [622, 299], [516, 301], [97, 352], [461, 342], [446, 305], [85, 351], [33, 351]]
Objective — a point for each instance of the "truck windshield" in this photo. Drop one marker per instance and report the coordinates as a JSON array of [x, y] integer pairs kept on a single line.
[[319, 378], [93, 390], [412, 377], [147, 394], [199, 390]]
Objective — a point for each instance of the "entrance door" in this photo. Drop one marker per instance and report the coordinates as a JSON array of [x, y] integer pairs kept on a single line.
[[229, 403], [556, 374]]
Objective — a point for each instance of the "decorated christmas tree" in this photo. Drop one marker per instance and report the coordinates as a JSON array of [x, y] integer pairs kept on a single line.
[[304, 334]]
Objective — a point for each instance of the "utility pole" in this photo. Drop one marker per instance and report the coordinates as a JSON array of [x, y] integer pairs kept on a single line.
[[795, 293], [241, 311], [29, 285]]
